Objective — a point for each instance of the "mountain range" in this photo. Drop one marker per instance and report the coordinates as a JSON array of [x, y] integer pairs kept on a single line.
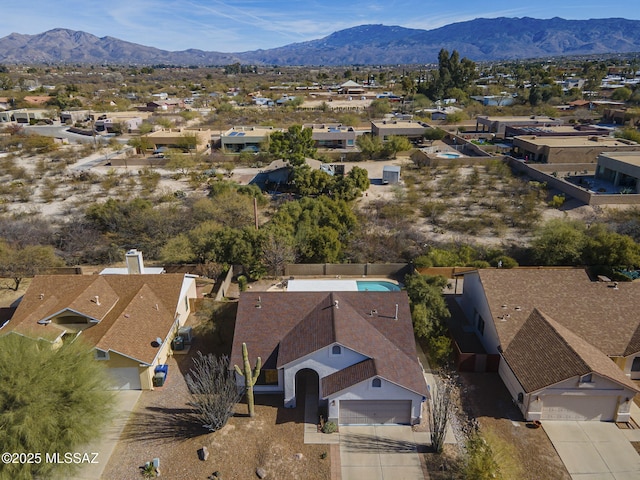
[[479, 40]]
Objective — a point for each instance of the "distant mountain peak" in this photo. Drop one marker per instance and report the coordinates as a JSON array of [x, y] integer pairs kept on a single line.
[[481, 39]]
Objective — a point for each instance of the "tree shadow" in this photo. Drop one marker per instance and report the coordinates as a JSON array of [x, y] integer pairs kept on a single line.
[[163, 425], [357, 442]]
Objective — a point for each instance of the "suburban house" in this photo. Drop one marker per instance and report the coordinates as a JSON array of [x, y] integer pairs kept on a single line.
[[180, 139], [411, 129], [23, 115], [497, 125], [129, 320], [334, 136], [568, 149], [356, 349], [350, 88], [247, 139], [620, 168], [568, 347]]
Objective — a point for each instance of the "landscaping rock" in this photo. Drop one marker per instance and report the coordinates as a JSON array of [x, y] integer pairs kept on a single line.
[[261, 472], [298, 456], [203, 453]]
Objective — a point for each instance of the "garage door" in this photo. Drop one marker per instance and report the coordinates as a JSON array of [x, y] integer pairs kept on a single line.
[[366, 412], [125, 378], [569, 407]]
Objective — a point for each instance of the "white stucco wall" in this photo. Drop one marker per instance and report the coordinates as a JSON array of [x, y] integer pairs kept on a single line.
[[323, 362], [533, 403], [387, 391], [473, 303], [187, 292]]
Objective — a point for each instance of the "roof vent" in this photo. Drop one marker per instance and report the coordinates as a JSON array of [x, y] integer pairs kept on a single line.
[[96, 300], [41, 296], [518, 308], [396, 316], [335, 304], [373, 312]]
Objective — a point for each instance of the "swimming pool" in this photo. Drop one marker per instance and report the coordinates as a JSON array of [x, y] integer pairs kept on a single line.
[[448, 155], [376, 286]]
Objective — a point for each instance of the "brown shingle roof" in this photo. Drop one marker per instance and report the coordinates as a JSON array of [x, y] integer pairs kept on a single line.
[[129, 326], [603, 316], [283, 326], [544, 353], [342, 379]]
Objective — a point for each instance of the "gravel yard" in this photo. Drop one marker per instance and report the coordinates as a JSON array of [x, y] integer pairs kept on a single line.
[[159, 427]]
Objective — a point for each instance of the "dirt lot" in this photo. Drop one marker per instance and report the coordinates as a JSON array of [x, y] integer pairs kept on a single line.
[[160, 427]]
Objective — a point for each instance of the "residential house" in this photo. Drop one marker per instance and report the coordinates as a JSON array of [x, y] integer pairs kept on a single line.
[[180, 139], [128, 320], [356, 349], [239, 139], [497, 125], [568, 149], [333, 136], [411, 129], [23, 115], [620, 168], [568, 347], [351, 88]]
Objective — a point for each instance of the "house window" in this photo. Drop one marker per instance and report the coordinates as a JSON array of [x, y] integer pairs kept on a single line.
[[635, 366], [376, 383], [336, 350], [267, 377], [586, 378], [101, 355]]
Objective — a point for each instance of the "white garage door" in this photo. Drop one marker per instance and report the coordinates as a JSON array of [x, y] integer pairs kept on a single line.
[[569, 407], [125, 378], [366, 412]]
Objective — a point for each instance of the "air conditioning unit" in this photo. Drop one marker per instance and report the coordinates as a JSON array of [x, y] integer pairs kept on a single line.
[[187, 334]]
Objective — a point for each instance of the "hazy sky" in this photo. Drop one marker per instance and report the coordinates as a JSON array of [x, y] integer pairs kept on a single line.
[[235, 26]]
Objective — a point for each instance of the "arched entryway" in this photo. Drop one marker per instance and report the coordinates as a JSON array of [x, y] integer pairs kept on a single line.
[[307, 388]]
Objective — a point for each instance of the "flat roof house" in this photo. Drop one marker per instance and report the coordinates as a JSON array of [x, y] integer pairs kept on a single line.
[[411, 129], [177, 138], [620, 168], [569, 347], [238, 139], [333, 136], [568, 149], [356, 349], [497, 125]]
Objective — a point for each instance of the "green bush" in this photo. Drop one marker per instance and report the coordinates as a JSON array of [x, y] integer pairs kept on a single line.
[[242, 283], [557, 201], [329, 427]]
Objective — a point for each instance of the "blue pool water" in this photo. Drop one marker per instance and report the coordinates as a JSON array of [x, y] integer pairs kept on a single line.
[[376, 286]]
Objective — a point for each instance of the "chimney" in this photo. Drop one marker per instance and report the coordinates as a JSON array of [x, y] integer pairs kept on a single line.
[[135, 264]]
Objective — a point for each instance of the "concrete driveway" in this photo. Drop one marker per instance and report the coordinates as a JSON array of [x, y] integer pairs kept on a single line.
[[594, 450], [125, 403], [381, 452]]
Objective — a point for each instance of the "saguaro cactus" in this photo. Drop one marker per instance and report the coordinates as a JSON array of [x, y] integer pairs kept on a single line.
[[250, 377]]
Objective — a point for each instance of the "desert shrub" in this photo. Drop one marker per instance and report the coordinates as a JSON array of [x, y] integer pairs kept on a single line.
[[329, 427], [557, 201]]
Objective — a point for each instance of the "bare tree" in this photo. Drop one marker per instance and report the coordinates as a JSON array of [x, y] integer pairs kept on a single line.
[[213, 391], [439, 412], [276, 253]]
